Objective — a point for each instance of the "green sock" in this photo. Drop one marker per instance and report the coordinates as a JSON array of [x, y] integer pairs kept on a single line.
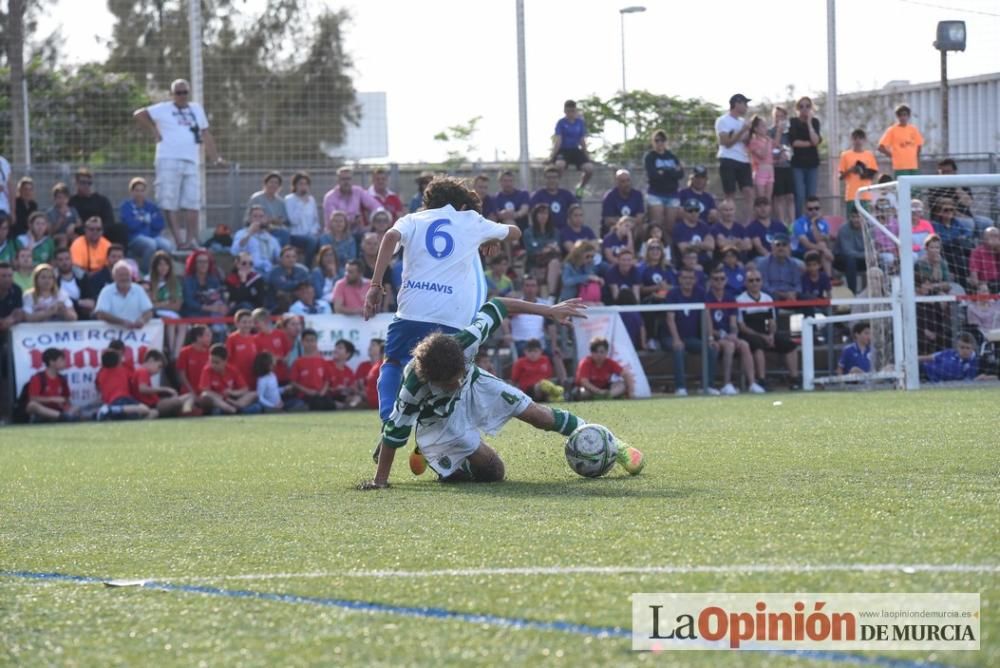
[[564, 422]]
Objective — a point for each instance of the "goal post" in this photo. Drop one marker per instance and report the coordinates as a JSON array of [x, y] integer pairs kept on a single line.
[[904, 188]]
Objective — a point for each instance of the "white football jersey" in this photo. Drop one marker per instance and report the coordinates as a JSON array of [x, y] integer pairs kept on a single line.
[[443, 280]]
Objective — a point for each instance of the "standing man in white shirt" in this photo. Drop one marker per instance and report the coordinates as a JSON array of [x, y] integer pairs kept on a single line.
[[733, 131], [179, 127]]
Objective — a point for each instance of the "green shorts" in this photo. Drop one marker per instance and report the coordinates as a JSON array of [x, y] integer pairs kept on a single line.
[[906, 172]]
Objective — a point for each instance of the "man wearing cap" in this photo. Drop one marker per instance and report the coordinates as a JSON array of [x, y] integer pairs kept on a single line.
[[693, 233], [781, 272], [622, 200], [697, 185], [763, 228], [179, 127], [734, 158]]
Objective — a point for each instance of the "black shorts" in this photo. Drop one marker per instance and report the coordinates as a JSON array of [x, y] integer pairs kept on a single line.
[[734, 174], [573, 156], [782, 342], [783, 184]]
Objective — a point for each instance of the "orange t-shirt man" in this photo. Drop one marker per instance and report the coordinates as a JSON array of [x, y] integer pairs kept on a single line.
[[904, 142], [853, 180]]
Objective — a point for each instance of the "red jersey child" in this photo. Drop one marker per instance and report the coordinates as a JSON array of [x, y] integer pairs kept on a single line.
[[272, 340], [48, 391], [531, 374], [310, 374], [114, 382], [222, 386], [376, 350], [242, 347], [193, 358], [165, 400], [342, 378], [598, 375]]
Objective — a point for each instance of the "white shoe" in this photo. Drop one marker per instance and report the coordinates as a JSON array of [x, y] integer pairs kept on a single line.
[[680, 392], [729, 391], [757, 389], [712, 392]]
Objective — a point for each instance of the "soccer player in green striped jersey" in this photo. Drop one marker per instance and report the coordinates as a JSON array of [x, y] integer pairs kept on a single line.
[[449, 402]]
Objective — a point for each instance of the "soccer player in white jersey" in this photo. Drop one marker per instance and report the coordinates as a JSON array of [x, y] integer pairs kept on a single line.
[[450, 402], [443, 283]]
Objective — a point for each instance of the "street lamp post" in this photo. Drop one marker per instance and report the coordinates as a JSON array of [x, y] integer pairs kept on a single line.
[[950, 37], [635, 9]]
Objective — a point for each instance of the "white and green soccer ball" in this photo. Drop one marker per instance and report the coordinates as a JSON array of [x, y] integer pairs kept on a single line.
[[591, 450]]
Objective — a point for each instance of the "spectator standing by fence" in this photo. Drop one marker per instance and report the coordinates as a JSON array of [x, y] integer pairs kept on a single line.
[[303, 216], [179, 128], [733, 132], [902, 142], [803, 130]]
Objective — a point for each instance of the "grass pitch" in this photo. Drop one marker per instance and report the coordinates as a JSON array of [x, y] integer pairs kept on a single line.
[[266, 506]]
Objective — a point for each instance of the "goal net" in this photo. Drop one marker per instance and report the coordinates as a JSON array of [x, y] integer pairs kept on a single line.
[[928, 289]]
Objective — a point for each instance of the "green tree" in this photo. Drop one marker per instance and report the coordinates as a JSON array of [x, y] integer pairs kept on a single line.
[[689, 124], [274, 93], [459, 140]]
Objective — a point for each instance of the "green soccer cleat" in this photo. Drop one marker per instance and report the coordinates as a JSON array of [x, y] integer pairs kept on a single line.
[[631, 459], [418, 464]]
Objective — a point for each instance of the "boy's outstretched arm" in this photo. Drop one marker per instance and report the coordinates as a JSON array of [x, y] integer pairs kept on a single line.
[[381, 480], [562, 312]]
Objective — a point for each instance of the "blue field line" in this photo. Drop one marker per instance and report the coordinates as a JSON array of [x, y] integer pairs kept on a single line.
[[452, 615]]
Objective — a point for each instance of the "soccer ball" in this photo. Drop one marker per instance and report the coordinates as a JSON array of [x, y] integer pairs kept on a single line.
[[591, 450]]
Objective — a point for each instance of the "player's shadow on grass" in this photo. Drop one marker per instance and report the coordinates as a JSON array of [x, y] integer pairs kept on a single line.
[[619, 488]]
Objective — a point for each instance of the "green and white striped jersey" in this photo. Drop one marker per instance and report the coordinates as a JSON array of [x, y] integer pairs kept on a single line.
[[425, 404]]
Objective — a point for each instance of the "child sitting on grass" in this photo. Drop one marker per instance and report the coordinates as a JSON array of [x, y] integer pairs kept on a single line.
[[114, 382], [450, 402], [268, 392], [164, 400], [48, 392], [223, 391]]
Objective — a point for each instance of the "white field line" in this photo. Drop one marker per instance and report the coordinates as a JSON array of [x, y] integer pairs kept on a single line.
[[741, 569]]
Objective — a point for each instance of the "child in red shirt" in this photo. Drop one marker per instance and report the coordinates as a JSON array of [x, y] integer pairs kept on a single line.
[[342, 387], [48, 391], [193, 358], [241, 346], [223, 390], [600, 376], [376, 348], [114, 382], [165, 400], [310, 375], [269, 339], [367, 373], [531, 374]]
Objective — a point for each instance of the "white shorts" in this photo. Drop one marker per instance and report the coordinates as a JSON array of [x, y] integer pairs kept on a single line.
[[486, 405], [177, 185]]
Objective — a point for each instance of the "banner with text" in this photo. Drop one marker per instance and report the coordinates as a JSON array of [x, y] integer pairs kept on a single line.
[[354, 328], [83, 343], [609, 324]]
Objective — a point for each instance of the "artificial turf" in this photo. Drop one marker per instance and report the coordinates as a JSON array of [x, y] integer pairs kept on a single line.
[[852, 478]]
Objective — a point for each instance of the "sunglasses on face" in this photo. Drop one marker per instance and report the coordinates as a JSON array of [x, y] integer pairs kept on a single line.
[[753, 280], [181, 92], [812, 208], [948, 210]]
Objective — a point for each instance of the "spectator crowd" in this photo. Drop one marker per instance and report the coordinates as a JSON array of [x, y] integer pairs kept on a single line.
[[764, 240]]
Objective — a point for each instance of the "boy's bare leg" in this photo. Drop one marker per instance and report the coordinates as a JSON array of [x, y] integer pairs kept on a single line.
[[486, 465], [42, 411], [210, 400]]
